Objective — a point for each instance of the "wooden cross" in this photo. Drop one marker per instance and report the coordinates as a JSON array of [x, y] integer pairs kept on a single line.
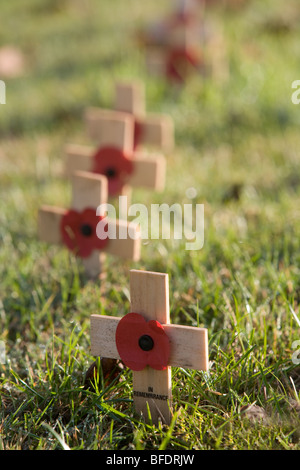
[[184, 43], [181, 56], [154, 130], [149, 292], [115, 130], [89, 190], [175, 45]]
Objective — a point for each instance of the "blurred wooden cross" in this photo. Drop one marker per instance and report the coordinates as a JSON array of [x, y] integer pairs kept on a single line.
[[153, 130], [182, 53], [184, 43], [147, 343], [115, 157], [89, 235]]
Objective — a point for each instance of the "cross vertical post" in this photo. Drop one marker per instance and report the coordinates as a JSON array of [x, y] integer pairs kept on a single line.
[[149, 294], [130, 98]]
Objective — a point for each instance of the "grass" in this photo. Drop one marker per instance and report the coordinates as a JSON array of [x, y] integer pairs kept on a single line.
[[237, 143]]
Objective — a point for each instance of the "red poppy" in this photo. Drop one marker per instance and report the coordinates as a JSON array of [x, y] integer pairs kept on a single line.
[[179, 61], [78, 231], [115, 165], [141, 343]]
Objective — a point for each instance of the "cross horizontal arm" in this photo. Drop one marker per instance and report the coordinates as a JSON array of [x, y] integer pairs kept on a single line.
[[49, 219], [149, 172], [103, 332], [189, 345], [158, 130], [128, 247]]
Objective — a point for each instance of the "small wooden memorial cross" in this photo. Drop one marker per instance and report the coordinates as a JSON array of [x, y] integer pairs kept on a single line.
[[76, 228], [149, 128], [147, 343], [154, 130], [115, 157], [178, 50]]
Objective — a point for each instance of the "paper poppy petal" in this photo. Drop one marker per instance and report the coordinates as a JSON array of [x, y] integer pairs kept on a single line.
[[78, 232], [178, 62], [115, 165], [129, 331], [158, 358]]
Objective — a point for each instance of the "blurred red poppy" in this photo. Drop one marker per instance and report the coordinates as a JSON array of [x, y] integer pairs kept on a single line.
[[141, 343], [115, 165], [78, 231], [179, 62]]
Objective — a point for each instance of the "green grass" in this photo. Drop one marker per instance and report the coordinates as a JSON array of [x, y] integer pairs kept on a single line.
[[243, 285]]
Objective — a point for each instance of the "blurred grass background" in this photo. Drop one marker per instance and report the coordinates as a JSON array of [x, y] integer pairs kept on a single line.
[[237, 144]]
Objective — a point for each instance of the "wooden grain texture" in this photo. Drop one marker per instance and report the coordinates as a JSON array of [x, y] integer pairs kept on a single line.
[[189, 346], [103, 336], [110, 128], [149, 296], [152, 389]]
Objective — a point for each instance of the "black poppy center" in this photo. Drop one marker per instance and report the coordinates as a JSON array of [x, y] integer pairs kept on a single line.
[[146, 343], [110, 172], [86, 230]]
